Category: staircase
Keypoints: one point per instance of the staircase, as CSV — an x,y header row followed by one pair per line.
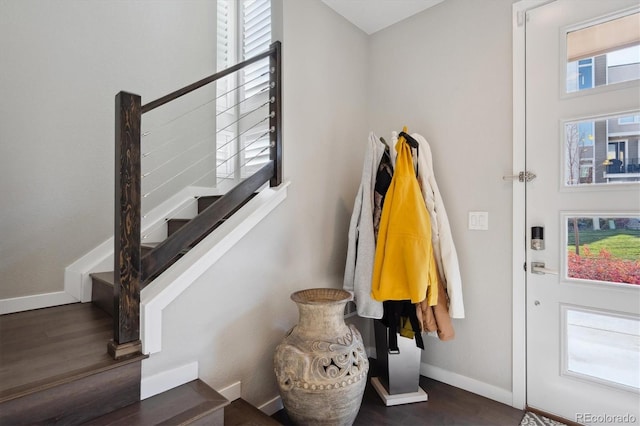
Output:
x,y
55,370
55,365
103,282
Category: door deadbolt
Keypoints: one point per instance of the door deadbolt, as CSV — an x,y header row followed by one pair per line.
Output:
x,y
537,238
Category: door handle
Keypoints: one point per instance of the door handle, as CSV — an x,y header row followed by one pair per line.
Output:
x,y
539,268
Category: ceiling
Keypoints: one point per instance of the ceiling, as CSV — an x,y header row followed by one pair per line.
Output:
x,y
373,15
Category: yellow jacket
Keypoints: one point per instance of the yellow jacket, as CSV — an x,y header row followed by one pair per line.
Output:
x,y
404,266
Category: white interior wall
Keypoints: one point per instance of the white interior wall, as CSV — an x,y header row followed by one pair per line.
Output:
x,y
62,64
233,317
446,74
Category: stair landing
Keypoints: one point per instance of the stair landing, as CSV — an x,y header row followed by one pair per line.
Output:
x,y
55,369
241,413
46,346
193,403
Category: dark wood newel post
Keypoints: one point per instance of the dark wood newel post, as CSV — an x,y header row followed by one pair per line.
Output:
x,y
275,109
126,298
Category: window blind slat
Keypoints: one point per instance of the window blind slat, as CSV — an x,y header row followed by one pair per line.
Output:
x,y
256,37
259,33
251,9
237,44
257,20
258,46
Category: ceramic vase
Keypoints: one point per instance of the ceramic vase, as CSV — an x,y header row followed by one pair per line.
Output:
x,y
321,365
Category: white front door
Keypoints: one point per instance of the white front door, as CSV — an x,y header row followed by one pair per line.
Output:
x,y
583,278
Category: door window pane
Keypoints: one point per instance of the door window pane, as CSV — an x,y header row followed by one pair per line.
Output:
x,y
602,346
603,53
602,151
603,248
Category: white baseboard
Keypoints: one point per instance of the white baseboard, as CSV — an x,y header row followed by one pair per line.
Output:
x,y
162,382
371,352
467,383
36,301
463,382
272,406
232,392
77,276
77,279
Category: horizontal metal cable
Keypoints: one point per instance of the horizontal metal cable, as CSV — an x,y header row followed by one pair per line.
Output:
x,y
209,155
252,158
243,116
199,178
198,143
161,223
177,174
243,84
242,101
173,140
240,134
273,49
233,156
148,132
245,148
169,142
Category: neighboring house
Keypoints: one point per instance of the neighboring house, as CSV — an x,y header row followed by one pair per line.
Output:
x,y
606,149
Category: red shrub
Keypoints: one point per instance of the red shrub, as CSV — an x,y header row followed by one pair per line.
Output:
x,y
603,267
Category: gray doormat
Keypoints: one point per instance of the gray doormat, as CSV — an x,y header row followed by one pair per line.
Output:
x,y
533,419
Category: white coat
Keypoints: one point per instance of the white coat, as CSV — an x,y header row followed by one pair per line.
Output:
x,y
443,247
361,247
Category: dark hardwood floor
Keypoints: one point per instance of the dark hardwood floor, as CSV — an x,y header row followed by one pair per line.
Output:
x,y
447,405
55,369
43,346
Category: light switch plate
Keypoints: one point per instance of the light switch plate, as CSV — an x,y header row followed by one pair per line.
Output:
x,y
479,221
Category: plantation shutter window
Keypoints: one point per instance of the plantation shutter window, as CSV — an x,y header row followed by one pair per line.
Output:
x,y
256,28
244,30
256,38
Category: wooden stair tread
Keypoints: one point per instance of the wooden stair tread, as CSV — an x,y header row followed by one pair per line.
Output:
x,y
173,226
103,282
48,347
241,413
206,201
104,277
189,403
145,248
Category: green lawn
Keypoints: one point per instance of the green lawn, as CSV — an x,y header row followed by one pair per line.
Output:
x,y
621,243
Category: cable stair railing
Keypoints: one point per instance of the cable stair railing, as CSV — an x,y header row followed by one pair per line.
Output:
x,y
247,134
